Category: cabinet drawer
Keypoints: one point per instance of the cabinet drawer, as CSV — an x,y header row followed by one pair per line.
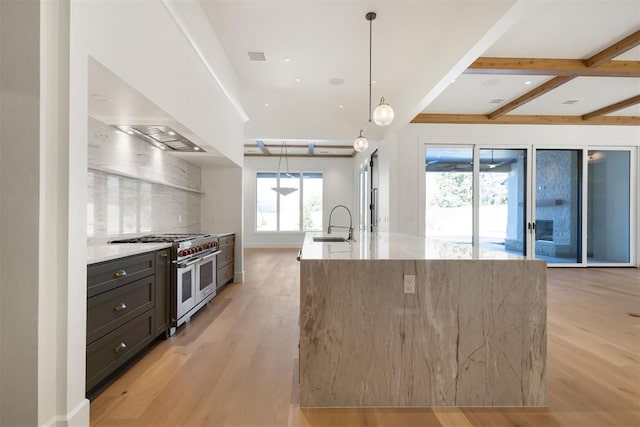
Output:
x,y
108,275
225,257
226,240
118,346
225,274
111,309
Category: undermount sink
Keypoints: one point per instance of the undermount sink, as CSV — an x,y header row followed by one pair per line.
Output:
x,y
329,239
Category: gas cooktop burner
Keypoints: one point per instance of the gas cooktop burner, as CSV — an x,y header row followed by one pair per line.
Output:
x,y
162,238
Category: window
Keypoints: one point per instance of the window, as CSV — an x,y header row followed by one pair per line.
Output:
x,y
300,210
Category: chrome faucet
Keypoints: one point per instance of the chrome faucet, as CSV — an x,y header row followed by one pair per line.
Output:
x,y
350,227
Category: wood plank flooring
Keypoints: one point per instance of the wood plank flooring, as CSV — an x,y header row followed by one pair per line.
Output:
x,y
235,364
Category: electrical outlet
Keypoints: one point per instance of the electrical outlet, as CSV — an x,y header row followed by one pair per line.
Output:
x,y
409,284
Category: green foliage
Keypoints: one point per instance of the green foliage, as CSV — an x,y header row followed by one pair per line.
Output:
x,y
310,206
455,189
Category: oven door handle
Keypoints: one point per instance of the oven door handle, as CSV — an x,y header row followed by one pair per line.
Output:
x,y
187,264
210,255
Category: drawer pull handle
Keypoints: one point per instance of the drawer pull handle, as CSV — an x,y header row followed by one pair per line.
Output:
x,y
118,308
164,254
119,273
120,347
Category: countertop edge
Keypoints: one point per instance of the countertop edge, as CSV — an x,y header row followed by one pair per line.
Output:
x,y
110,251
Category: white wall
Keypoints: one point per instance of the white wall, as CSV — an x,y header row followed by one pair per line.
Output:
x,y
110,32
222,208
338,190
141,43
19,199
404,156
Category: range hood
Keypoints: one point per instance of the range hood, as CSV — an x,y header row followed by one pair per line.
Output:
x,y
160,136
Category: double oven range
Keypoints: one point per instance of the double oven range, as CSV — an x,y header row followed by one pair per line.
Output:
x,y
193,272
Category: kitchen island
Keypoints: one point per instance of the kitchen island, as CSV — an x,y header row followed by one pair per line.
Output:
x,y
396,320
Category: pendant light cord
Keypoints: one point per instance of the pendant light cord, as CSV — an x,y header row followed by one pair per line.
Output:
x,y
370,52
280,159
283,149
286,157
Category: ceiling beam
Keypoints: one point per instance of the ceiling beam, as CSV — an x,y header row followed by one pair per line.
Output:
x,y
316,146
616,49
263,148
593,62
552,67
525,119
530,96
304,155
613,107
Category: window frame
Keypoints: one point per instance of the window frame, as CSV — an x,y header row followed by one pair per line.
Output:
x,y
301,229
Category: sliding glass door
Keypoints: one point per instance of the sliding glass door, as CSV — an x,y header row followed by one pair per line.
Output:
x,y
449,194
570,207
609,206
503,200
558,206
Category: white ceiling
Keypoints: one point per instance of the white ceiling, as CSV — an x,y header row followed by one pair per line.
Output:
x,y
562,29
415,43
419,47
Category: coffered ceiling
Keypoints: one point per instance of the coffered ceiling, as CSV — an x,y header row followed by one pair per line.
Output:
x,y
570,63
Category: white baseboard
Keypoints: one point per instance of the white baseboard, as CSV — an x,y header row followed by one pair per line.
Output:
x,y
77,417
238,277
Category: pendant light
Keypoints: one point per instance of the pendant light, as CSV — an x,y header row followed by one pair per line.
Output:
x,y
284,191
360,144
383,114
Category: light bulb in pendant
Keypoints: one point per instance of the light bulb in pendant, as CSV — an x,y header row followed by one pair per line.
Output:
x,y
360,144
383,114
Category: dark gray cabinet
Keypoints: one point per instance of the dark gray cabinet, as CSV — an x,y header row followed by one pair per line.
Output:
x,y
225,259
127,308
161,309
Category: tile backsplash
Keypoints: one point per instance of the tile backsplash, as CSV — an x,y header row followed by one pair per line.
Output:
x,y
134,188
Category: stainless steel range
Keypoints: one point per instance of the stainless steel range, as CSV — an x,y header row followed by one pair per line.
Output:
x,y
193,272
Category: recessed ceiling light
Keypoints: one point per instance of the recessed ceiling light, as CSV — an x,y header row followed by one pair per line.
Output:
x,y
570,101
286,59
496,101
527,82
340,106
373,82
453,81
298,80
336,81
266,105
171,132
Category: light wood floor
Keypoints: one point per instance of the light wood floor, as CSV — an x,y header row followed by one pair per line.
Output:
x,y
236,363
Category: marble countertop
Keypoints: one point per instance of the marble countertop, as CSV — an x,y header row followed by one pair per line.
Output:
x,y
382,245
99,252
